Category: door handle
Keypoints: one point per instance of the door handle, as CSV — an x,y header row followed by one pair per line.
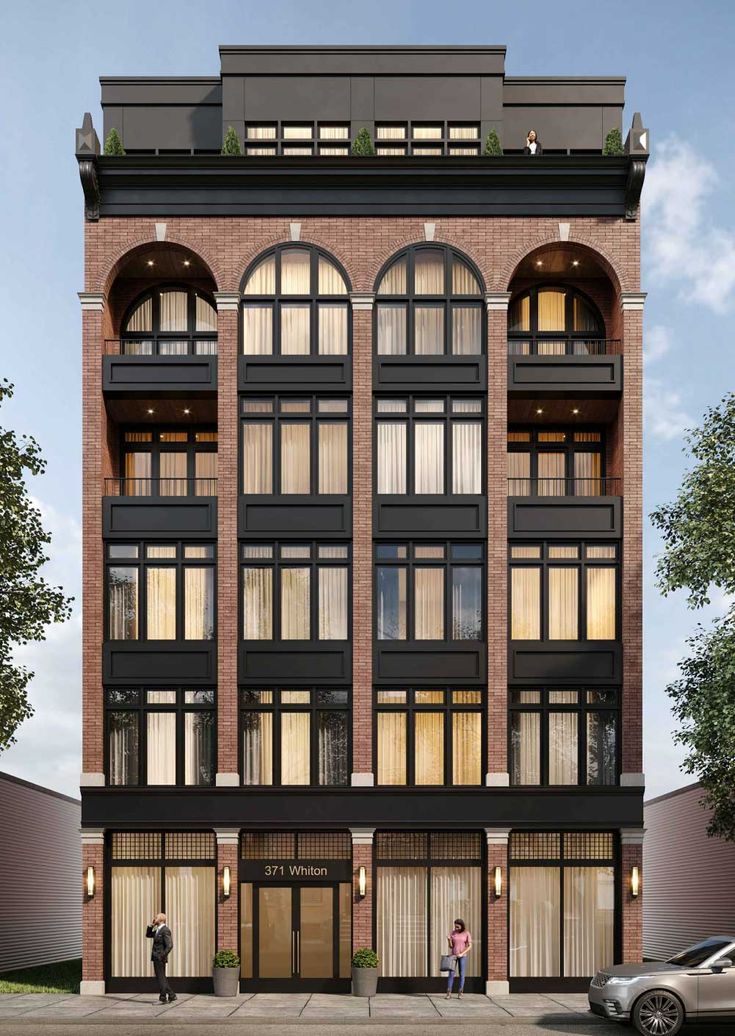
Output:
x,y
293,952
298,952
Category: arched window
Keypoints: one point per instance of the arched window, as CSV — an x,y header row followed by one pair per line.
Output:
x,y
429,303
295,304
554,321
171,321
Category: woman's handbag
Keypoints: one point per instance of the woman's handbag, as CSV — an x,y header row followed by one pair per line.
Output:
x,y
448,962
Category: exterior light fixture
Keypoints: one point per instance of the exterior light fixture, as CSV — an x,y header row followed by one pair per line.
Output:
x,y
635,882
498,882
90,882
361,882
226,882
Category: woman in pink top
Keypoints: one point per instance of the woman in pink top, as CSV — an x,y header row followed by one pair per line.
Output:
x,y
460,944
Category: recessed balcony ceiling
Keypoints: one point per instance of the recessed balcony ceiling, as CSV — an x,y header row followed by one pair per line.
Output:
x,y
164,262
559,261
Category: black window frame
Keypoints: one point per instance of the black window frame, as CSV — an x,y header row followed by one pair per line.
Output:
x,y
573,340
155,447
155,336
569,448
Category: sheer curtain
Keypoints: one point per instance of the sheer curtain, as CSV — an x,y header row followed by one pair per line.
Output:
x,y
428,330
137,474
464,281
257,765
161,603
466,457
466,748
123,747
392,746
401,916
122,590
525,620
392,329
563,603
295,603
257,458
257,323
391,457
295,457
332,457
262,281
551,310
519,474
173,465
295,321
198,603
258,603
332,329
534,922
455,892
428,272
332,603
190,906
295,271
141,319
563,747
428,736
428,457
206,315
551,474
205,474
135,899
589,911
600,603
466,330
161,740
391,604
587,470
525,748
199,747
173,315
429,603
295,743
331,281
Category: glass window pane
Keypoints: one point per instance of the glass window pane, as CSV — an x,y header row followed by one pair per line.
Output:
x,y
466,330
464,281
295,550
206,315
332,747
332,603
332,329
601,602
583,319
534,922
587,472
391,329
257,458
173,310
519,314
428,406
466,457
190,898
563,603
423,550
429,748
257,603
519,473
428,272
160,550
429,603
295,457
262,281
391,456
295,743
257,326
295,271
122,739
331,281
122,598
295,330
525,603
332,406
257,748
135,892
466,603
429,330
391,603
198,603
551,316
563,747
525,748
601,748
161,603
428,457
394,279
551,474
199,741
141,319
589,911
332,457
456,892
161,747
401,921
295,604
392,728
466,748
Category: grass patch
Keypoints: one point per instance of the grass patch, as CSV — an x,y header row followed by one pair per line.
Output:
x,y
62,977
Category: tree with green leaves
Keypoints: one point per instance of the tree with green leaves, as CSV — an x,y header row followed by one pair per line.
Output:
x,y
231,143
362,145
698,531
113,144
28,604
613,143
492,144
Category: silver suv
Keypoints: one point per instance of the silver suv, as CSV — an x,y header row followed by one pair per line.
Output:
x,y
659,998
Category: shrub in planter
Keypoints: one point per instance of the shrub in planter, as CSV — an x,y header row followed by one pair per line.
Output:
x,y
231,143
226,973
365,972
613,143
113,144
492,144
362,145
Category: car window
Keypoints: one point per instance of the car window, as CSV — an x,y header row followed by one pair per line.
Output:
x,y
697,954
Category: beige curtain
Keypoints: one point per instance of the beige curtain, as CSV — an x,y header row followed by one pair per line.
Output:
x,y
392,329
466,457
466,330
429,748
526,748
534,922
401,917
589,913
198,747
262,281
190,907
295,321
600,603
135,899
257,765
205,474
582,316
332,457
428,330
172,465
141,319
429,603
466,748
551,310
332,603
173,316
295,271
161,603
295,597
563,603
464,281
519,474
257,456
549,348
257,603
137,474
428,457
295,767
587,469
331,281
455,892
161,747
198,603
206,315
525,620
257,325
519,315
332,329
391,748
551,472
563,732
295,457
429,273
391,457
394,279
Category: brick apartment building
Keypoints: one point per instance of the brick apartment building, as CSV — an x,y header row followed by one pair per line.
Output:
x,y
362,522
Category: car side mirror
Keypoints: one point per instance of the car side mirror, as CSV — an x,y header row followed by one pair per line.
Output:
x,y
721,964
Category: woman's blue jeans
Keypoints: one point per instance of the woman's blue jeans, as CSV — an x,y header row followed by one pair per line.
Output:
x,y
461,966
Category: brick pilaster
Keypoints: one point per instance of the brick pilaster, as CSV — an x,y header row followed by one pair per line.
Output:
x,y
228,935
631,855
497,912
93,920
362,906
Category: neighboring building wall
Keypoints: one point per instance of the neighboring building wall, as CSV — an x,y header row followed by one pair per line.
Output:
x,y
688,877
40,875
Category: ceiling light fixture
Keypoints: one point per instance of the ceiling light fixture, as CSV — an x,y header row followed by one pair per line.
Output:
x,y
575,410
149,411
539,411
150,262
539,262
187,262
575,262
188,411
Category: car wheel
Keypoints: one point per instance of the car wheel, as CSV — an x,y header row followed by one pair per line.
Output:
x,y
658,1013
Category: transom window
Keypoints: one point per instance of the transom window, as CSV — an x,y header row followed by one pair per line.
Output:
x,y
295,591
160,736
429,591
295,445
296,304
564,736
295,736
160,591
556,462
171,321
429,736
554,321
169,462
429,303
431,446
563,591
427,138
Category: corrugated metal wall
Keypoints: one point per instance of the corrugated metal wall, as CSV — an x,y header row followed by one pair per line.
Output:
x,y
40,875
688,878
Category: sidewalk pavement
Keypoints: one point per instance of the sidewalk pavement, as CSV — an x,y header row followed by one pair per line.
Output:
x,y
317,1008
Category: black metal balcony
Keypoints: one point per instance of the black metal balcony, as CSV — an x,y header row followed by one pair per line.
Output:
x,y
166,508
179,365
565,366
558,508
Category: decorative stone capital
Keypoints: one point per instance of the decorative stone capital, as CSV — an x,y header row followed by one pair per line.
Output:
x,y
92,836
360,300
497,780
362,780
497,300
632,835
91,780
632,300
93,301
227,780
497,835
632,780
227,835
227,301
362,835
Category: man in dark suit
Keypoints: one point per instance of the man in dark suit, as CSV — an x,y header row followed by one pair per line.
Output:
x,y
162,945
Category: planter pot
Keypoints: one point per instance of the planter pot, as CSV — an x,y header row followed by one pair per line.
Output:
x,y
364,981
226,981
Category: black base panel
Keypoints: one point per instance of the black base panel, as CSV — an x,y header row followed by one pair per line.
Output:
x,y
550,985
149,985
295,985
428,985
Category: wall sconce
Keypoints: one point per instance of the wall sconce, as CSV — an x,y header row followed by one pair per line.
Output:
x,y
635,882
90,882
498,882
226,882
361,882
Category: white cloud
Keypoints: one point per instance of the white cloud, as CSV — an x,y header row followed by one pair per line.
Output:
x,y
665,416
682,243
656,343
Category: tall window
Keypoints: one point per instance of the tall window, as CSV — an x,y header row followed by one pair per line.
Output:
x,y
169,462
160,591
429,591
563,591
429,303
295,736
564,736
295,445
429,736
556,462
171,321
431,446
295,591
554,321
296,304
562,903
160,736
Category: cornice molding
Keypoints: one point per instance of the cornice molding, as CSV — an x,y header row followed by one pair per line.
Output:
x,y
92,301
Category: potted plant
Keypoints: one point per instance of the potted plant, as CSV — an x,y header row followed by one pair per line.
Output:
x,y
365,973
226,973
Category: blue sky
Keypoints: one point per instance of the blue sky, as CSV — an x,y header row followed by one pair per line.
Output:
x,y
677,57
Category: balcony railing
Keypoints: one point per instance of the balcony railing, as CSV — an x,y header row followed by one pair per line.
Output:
x,y
563,346
564,486
176,345
158,487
